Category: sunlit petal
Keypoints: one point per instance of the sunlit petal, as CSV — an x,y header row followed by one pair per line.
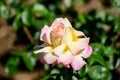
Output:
x,y
45,34
86,52
50,58
59,50
78,45
78,63
78,33
67,38
67,23
66,58
61,20
45,50
67,66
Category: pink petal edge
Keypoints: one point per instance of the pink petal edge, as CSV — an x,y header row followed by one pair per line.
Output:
x,y
59,50
45,34
89,52
43,31
78,63
50,58
56,22
64,21
41,59
65,58
78,45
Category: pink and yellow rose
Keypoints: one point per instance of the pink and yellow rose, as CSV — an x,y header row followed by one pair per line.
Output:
x,y
63,45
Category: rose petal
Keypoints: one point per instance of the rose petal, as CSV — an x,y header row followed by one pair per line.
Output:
x,y
67,22
54,64
87,52
48,39
58,31
59,50
45,34
43,31
46,49
55,40
78,33
78,63
65,58
67,38
41,59
56,22
42,45
64,21
50,58
78,45
67,66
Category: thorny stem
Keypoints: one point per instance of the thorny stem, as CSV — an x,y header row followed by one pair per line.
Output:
x,y
8,6
28,34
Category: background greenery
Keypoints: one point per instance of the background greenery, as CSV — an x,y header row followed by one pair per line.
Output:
x,y
98,19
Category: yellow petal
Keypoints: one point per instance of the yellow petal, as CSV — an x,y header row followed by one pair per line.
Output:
x,y
66,58
78,45
45,50
59,50
77,63
78,33
67,38
50,58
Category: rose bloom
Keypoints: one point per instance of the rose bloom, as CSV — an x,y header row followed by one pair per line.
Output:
x,y
63,45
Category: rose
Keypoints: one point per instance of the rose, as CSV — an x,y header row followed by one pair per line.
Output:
x,y
63,45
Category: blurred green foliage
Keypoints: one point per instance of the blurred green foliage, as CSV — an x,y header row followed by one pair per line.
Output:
x,y
102,27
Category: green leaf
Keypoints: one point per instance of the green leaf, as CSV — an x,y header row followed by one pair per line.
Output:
x,y
26,17
17,23
14,3
84,78
54,71
74,78
89,17
97,55
91,60
28,59
98,58
68,3
82,19
116,4
78,25
79,1
101,15
39,9
110,50
46,77
47,67
117,26
98,72
37,35
4,12
100,25
110,18
117,63
38,24
98,48
82,71
11,65
110,63
103,39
